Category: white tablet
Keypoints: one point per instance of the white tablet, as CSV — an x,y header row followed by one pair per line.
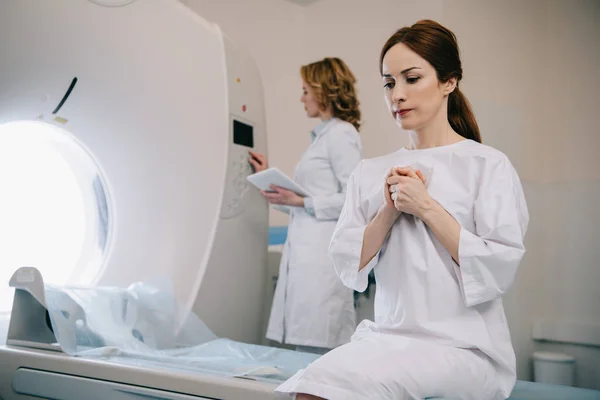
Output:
x,y
273,176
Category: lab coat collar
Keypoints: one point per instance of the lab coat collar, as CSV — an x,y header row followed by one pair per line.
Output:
x,y
320,129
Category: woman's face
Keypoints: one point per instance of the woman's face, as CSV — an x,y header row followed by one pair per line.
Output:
x,y
311,105
412,91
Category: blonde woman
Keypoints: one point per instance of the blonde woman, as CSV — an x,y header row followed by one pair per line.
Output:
x,y
312,309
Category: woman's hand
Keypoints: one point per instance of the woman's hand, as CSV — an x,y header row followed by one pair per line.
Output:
x,y
388,206
284,197
258,161
408,192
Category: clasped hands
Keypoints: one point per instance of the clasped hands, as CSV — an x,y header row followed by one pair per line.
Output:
x,y
405,191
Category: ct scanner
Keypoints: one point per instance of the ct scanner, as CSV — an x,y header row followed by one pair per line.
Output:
x,y
164,107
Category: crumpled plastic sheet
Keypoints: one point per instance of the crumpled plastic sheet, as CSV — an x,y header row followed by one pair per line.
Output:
x,y
142,326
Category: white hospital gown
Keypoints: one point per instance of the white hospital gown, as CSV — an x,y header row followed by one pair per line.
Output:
x,y
439,329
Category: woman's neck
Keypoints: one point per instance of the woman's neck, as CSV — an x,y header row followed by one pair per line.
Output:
x,y
437,133
325,115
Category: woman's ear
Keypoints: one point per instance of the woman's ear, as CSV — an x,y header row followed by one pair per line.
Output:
x,y
450,86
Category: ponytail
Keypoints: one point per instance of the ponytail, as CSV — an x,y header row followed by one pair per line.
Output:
x,y
461,116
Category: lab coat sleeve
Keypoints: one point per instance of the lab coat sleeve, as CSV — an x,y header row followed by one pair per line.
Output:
x,y
490,256
346,243
344,149
283,209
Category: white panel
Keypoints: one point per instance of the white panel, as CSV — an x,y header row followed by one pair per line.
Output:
x,y
234,283
63,368
567,332
67,387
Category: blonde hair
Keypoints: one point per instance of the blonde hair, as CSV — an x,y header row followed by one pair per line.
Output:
x,y
333,85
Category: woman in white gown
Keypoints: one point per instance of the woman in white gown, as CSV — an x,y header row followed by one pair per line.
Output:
x,y
445,240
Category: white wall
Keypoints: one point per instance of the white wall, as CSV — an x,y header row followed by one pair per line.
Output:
x,y
531,72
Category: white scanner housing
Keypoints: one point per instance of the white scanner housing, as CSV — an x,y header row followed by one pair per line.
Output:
x,y
166,107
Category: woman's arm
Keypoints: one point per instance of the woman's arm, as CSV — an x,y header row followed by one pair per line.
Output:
x,y
375,234
445,228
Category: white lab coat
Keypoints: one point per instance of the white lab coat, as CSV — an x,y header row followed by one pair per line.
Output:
x,y
311,306
440,328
